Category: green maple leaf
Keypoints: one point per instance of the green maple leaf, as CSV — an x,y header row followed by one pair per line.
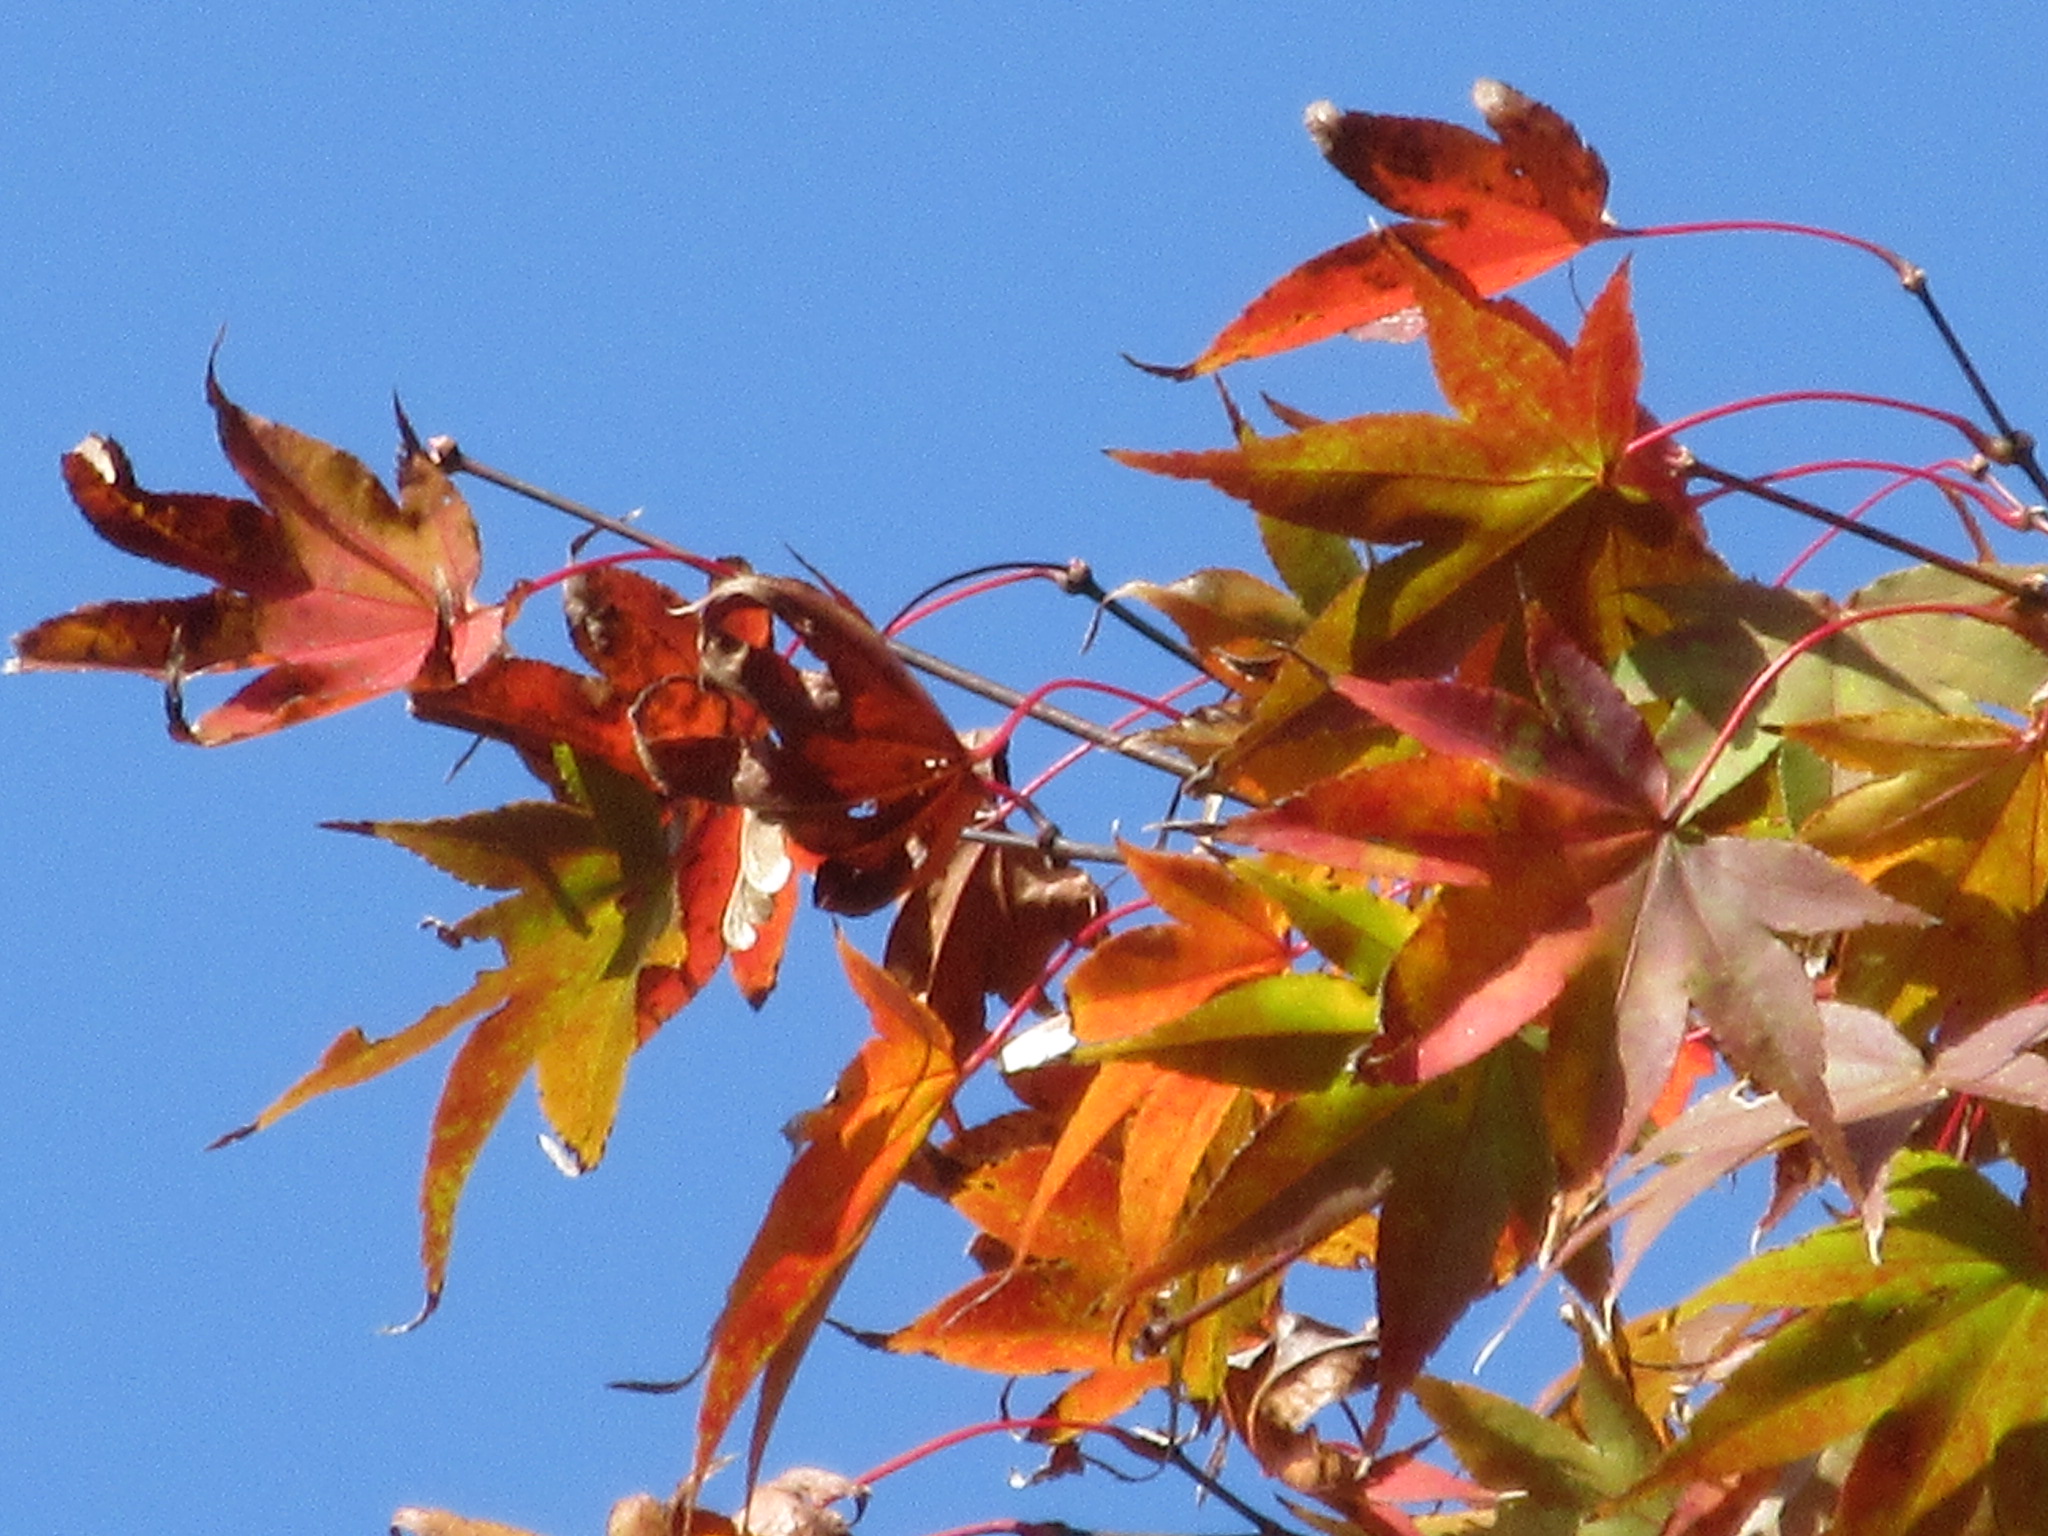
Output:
x,y
589,926
1932,1351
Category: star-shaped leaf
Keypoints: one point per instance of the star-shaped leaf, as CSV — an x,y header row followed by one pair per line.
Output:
x,y
1549,826
340,591
589,928
1528,490
1498,212
1924,1354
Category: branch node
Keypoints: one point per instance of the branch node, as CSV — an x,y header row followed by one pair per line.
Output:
x,y
2009,447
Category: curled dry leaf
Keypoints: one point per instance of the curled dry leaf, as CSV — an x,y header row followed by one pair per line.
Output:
x,y
1276,1389
735,881
987,927
799,1503
858,765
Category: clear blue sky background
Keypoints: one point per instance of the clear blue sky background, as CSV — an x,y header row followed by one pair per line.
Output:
x,y
854,279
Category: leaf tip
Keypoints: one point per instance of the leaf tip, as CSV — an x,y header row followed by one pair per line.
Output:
x,y
409,444
1321,118
102,456
428,1308
1496,99
1179,373
239,1133
569,1163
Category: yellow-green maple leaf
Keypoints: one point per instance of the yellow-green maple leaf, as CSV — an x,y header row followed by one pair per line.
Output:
x,y
1929,1354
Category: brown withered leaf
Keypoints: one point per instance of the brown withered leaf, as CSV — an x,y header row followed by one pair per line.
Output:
x,y
858,765
736,883
986,927
799,1503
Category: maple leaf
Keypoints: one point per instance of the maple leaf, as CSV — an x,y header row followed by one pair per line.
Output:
x,y
1139,990
1529,491
1051,1296
1223,931
735,883
1276,1389
1882,1088
1457,1168
1552,1473
987,926
340,591
1916,1353
1953,817
854,1153
1498,212
1565,883
1044,1310
858,765
592,916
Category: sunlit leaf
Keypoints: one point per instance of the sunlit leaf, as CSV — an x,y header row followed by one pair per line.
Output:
x,y
854,1153
591,915
1528,490
1919,1347
1499,212
340,591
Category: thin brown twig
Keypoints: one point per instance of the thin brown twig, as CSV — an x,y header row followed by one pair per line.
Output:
x,y
450,456
2020,591
2014,446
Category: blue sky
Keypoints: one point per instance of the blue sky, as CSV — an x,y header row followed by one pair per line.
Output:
x,y
780,275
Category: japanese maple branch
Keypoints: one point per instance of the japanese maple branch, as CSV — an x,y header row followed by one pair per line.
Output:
x,y
2020,591
2012,446
1058,847
449,455
1145,1447
1076,578
1045,714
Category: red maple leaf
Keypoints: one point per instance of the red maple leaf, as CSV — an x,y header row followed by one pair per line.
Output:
x,y
340,591
1499,212
1567,867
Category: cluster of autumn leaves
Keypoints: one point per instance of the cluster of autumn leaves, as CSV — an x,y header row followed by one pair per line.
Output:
x,y
1526,818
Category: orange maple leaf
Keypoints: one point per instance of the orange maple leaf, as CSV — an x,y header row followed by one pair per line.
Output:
x,y
855,1151
1529,489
